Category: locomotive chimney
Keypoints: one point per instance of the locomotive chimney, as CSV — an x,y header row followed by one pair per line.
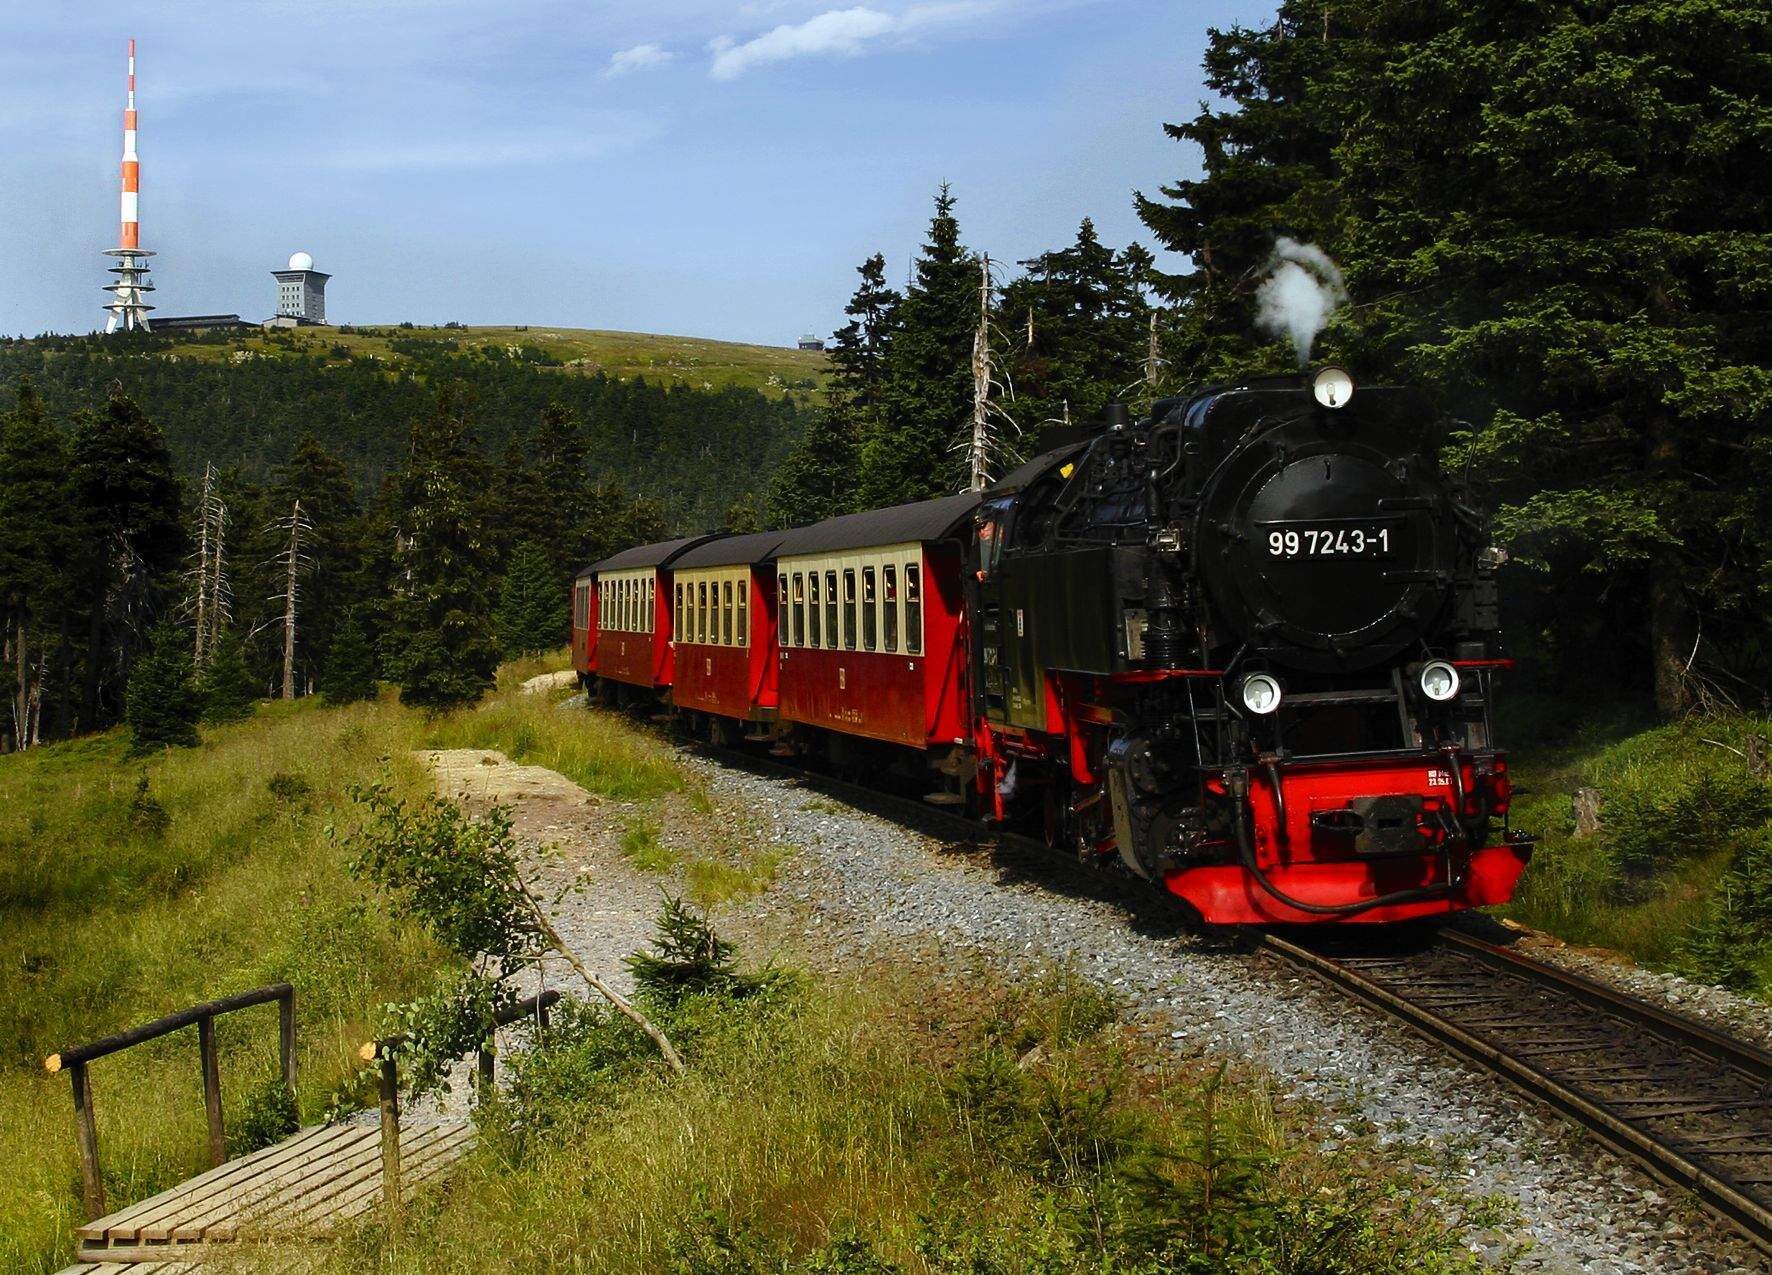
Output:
x,y
1116,416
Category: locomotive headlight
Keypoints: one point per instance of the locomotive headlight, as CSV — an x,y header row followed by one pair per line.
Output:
x,y
1439,681
1261,694
1332,387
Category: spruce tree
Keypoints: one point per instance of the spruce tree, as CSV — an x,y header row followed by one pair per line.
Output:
x,y
439,644
36,547
1086,310
126,504
331,584
1562,215
349,675
818,478
908,453
226,686
533,605
162,704
1266,146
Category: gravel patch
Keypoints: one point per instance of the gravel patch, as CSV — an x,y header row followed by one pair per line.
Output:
x,y
857,881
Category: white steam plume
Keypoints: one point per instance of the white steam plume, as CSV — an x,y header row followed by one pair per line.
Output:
x,y
1302,289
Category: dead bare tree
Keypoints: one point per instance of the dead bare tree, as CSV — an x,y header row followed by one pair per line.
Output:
x,y
292,562
985,446
211,596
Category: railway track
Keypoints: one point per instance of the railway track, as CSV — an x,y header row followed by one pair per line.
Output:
x,y
1691,1105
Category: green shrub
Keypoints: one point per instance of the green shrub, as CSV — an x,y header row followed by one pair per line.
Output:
x,y
1647,830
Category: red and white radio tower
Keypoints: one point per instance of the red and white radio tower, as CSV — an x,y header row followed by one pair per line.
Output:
x,y
129,309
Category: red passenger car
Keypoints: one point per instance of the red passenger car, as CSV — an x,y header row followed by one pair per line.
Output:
x,y
627,630
869,614
723,621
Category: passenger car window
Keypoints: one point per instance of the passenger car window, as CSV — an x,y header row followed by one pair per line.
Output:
x,y
677,614
726,613
781,611
830,610
744,604
870,612
812,609
889,605
913,608
849,608
799,609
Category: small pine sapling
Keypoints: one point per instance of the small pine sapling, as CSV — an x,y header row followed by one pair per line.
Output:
x,y
225,683
162,705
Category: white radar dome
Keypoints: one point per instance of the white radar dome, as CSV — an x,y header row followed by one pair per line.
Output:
x,y
301,261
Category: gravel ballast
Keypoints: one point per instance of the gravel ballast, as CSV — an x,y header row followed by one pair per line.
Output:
x,y
856,881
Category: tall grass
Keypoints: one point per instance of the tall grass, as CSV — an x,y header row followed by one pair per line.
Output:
x,y
882,1125
122,902
598,751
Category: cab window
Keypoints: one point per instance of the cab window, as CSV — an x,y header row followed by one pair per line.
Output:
x,y
913,608
889,604
849,608
830,610
812,609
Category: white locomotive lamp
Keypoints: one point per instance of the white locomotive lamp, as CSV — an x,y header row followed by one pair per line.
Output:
x,y
1332,387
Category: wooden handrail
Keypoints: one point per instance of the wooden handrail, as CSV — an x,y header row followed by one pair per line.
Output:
x,y
74,1060
388,1085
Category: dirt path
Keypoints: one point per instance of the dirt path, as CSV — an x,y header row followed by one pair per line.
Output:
x,y
568,835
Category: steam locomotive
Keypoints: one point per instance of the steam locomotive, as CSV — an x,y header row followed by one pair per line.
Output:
x,y
1245,648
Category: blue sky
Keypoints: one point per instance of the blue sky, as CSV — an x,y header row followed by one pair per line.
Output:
x,y
708,169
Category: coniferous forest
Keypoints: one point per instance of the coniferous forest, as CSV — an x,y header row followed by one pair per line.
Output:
x,y
1554,224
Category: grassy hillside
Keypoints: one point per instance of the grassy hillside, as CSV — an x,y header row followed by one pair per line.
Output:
x,y
694,362
119,903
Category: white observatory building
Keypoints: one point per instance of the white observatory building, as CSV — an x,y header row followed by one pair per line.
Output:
x,y
301,293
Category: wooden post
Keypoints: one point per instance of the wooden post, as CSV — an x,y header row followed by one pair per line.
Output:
x,y
390,1142
212,1103
286,1044
483,1076
86,1128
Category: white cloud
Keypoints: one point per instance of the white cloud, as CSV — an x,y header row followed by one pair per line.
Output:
x,y
838,31
639,58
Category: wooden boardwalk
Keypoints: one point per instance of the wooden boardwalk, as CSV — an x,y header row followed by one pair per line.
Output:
x,y
294,1193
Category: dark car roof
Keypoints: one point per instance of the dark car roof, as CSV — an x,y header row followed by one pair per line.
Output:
x,y
653,555
732,551
901,524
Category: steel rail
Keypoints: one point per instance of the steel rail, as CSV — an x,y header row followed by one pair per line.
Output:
x,y
1718,1192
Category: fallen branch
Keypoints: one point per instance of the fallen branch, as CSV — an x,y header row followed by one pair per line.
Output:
x,y
597,985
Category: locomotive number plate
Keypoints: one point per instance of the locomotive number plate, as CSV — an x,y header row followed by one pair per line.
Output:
x,y
1343,539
